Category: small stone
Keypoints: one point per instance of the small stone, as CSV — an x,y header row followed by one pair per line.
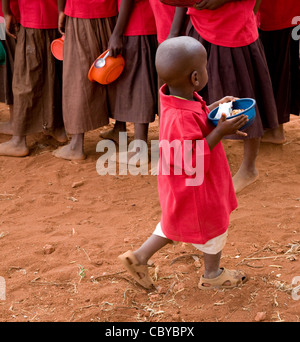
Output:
x,y
260,316
49,249
77,184
197,263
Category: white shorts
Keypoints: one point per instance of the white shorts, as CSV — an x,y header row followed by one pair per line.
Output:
x,y
213,246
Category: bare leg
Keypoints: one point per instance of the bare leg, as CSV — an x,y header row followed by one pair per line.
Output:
x,y
274,136
213,271
113,134
155,243
72,151
136,262
15,147
212,265
6,127
59,134
152,245
140,133
247,173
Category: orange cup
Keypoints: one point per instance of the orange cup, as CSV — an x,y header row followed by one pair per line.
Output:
x,y
109,72
57,48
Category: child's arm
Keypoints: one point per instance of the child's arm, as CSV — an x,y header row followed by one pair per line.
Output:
x,y
178,22
115,44
257,5
61,15
10,20
211,4
226,127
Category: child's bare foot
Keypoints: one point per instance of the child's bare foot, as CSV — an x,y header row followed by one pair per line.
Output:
x,y
59,134
15,147
130,158
69,153
113,134
72,151
244,178
274,136
5,128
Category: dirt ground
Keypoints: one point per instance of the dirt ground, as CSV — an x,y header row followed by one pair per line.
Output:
x,y
62,226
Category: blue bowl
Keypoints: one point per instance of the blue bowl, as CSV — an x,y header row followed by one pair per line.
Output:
x,y
248,106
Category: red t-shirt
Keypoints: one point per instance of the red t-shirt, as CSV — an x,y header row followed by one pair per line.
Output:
x,y
91,9
277,14
141,22
14,9
231,25
38,14
163,15
192,213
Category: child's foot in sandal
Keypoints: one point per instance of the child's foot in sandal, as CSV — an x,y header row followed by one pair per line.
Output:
x,y
138,271
228,279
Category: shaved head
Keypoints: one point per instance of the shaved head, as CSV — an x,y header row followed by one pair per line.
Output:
x,y
177,58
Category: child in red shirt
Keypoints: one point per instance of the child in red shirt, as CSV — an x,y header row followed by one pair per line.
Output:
x,y
133,97
192,213
276,24
6,73
237,66
36,77
87,26
163,15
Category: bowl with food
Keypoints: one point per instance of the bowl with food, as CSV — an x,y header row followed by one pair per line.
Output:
x,y
233,109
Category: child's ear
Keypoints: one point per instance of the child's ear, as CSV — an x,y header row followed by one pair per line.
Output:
x,y
195,78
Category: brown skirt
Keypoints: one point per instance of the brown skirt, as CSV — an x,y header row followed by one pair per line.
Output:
x,y
133,96
277,45
6,71
85,106
295,77
241,72
36,83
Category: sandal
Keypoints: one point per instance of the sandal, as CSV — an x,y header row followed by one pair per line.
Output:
x,y
235,278
132,265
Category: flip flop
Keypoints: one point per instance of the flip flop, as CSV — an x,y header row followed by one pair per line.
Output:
x,y
132,265
236,278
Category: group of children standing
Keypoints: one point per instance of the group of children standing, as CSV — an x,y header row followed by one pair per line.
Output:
x,y
59,100
70,101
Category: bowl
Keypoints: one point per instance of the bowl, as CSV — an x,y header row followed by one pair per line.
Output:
x,y
248,106
178,3
108,73
57,48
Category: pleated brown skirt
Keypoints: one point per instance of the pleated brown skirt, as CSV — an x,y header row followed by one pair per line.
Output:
x,y
241,72
85,103
133,96
283,63
36,83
